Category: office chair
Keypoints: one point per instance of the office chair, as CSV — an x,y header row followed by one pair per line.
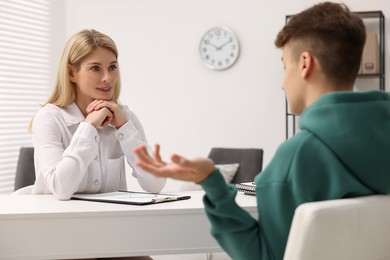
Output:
x,y
343,229
249,159
25,171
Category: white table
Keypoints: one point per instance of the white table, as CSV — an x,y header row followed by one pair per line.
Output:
x,y
42,227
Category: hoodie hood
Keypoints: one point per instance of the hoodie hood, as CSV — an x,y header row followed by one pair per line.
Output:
x,y
362,117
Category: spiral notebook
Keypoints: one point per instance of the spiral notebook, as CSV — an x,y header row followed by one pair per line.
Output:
x,y
130,197
248,188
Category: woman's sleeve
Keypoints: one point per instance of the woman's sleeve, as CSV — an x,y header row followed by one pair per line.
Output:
x,y
58,169
131,135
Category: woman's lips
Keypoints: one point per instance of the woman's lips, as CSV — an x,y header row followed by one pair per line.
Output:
x,y
105,89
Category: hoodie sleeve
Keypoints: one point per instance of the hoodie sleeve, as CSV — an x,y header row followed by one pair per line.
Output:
x,y
238,233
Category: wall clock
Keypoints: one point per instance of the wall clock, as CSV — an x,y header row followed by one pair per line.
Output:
x,y
219,48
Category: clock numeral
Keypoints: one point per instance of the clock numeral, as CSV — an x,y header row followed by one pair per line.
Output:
x,y
206,57
232,55
227,61
204,49
206,42
233,46
217,33
220,63
212,62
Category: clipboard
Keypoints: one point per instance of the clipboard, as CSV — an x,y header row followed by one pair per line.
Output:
x,y
130,197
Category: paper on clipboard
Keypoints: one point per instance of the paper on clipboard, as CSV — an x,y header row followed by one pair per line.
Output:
x,y
130,197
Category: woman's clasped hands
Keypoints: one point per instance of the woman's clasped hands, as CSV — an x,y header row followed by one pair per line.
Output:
x,y
104,112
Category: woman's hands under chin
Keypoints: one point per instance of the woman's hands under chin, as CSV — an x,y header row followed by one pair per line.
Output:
x,y
118,118
99,118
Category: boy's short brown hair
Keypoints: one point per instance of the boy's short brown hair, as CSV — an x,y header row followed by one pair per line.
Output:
x,y
332,34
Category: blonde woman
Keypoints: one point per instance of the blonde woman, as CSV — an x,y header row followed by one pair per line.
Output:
x,y
82,136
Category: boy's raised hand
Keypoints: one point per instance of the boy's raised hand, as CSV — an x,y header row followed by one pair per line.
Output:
x,y
195,170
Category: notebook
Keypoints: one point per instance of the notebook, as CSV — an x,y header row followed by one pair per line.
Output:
x,y
248,188
130,197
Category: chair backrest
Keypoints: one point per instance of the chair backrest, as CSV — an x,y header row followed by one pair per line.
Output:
x,y
250,160
25,171
345,229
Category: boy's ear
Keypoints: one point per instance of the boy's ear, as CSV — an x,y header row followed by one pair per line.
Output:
x,y
306,63
72,72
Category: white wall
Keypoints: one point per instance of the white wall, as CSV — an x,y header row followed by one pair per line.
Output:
x,y
183,105
57,32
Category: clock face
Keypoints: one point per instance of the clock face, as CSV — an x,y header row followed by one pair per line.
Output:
x,y
219,48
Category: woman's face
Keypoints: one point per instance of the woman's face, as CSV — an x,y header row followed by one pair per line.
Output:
x,y
96,78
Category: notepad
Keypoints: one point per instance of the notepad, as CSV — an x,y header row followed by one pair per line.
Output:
x,y
130,197
248,188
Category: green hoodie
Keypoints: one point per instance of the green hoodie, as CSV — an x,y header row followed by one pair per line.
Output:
x,y
342,151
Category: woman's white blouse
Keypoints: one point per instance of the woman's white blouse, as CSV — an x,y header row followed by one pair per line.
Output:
x,y
72,156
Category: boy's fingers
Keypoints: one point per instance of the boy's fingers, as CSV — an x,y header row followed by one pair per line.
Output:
x,y
157,155
181,160
142,154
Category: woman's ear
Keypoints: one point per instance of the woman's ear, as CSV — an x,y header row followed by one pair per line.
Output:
x,y
72,73
306,62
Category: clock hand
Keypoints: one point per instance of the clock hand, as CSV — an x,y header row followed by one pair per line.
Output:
x,y
220,47
214,45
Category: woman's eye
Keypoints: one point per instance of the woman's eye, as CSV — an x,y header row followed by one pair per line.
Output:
x,y
95,68
112,68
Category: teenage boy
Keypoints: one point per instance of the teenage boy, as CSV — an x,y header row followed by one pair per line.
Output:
x,y
341,151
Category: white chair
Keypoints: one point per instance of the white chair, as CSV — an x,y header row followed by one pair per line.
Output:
x,y
345,229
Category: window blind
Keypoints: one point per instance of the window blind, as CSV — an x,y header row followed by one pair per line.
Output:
x,y
24,77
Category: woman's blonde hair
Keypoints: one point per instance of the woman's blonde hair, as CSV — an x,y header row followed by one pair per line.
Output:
x,y
78,47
